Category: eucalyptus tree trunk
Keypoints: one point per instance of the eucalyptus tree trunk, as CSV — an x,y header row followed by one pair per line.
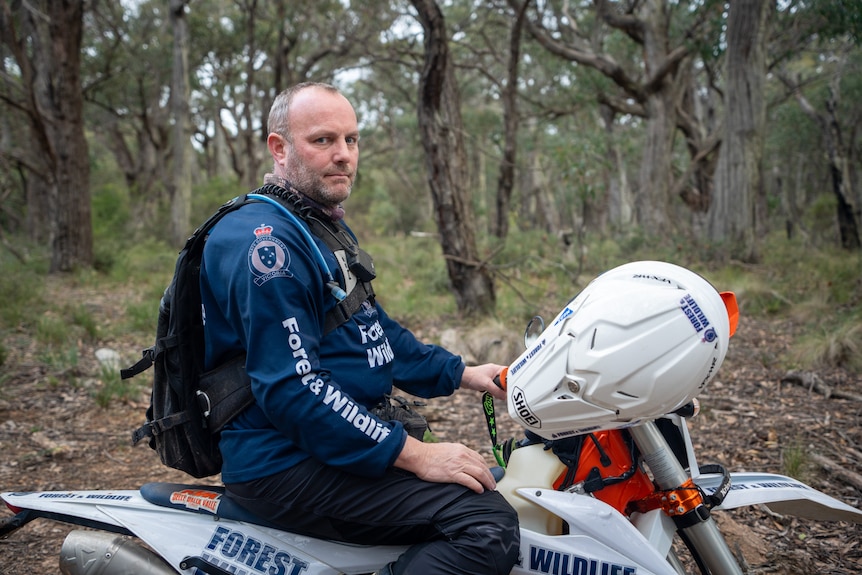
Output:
x,y
45,39
732,213
839,171
652,197
506,178
661,92
620,200
442,133
251,138
181,181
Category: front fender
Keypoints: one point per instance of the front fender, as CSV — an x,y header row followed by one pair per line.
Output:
x,y
781,494
596,531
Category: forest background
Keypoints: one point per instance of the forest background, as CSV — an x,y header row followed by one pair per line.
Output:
x,y
511,151
515,149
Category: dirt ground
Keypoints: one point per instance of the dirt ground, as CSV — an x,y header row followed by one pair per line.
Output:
x,y
53,436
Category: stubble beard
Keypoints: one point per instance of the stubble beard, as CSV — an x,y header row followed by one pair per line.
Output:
x,y
312,184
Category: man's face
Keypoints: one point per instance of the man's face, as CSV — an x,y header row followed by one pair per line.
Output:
x,y
321,162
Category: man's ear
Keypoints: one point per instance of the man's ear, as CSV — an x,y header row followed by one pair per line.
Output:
x,y
277,147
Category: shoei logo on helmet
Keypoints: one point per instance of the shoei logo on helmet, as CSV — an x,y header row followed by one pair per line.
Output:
x,y
523,410
694,314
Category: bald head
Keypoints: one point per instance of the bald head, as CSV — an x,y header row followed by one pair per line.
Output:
x,y
278,120
314,141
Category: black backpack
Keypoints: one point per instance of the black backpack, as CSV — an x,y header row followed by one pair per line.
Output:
x,y
188,408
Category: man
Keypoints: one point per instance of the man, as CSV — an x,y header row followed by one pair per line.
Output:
x,y
308,455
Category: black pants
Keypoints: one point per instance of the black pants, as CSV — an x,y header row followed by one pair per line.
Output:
x,y
450,528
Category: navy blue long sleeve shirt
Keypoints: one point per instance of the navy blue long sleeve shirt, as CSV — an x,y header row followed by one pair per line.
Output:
x,y
264,293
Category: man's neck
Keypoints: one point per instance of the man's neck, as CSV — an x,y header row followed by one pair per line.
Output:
x,y
334,213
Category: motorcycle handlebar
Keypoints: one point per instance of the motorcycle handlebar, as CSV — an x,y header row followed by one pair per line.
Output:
x,y
690,409
500,380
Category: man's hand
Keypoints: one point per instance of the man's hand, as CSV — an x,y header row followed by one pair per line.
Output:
x,y
453,462
446,463
481,378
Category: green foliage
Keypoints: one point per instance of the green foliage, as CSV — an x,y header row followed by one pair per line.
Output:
x,y
820,220
146,263
411,277
801,272
52,330
835,345
795,462
757,292
149,267
207,197
111,224
83,318
112,388
58,331
383,204
535,273
61,362
817,288
21,285
839,18
36,318
143,316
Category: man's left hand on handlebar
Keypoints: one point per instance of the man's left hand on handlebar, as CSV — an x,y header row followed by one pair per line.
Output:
x,y
481,378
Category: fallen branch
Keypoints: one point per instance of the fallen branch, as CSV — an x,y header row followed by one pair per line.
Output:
x,y
841,472
812,381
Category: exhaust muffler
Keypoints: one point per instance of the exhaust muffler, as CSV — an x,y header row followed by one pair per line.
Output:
x,y
101,553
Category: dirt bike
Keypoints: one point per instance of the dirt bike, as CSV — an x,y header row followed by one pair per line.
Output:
x,y
604,481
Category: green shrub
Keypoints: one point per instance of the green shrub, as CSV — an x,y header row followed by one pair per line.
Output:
x,y
111,388
795,462
52,330
22,286
60,359
412,282
84,319
142,316
838,346
145,263
819,218
207,197
111,216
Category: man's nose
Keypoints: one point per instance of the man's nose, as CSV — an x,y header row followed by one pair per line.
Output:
x,y
341,152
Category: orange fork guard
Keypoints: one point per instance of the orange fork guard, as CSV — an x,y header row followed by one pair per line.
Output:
x,y
685,498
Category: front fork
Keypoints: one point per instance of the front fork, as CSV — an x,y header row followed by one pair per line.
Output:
x,y
681,499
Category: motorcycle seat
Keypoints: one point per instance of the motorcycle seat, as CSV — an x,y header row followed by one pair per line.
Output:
x,y
211,499
204,499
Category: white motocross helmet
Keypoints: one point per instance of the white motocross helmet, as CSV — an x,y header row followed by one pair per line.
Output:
x,y
640,341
